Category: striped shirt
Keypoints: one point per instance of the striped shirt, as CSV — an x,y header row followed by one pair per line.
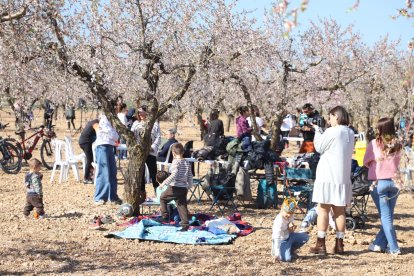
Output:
x,y
181,175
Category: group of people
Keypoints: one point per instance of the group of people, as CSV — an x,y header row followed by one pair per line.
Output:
x,y
102,134
332,189
50,113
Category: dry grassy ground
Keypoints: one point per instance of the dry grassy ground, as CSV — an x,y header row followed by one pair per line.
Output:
x,y
62,243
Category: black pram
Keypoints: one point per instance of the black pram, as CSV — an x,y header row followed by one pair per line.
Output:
x,y
356,215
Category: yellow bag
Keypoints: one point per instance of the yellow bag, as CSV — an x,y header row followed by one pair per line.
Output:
x,y
360,149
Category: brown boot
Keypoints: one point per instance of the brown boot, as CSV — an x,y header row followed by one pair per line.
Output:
x,y
320,247
339,246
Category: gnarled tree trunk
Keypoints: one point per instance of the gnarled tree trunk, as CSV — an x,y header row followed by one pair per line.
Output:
x,y
230,119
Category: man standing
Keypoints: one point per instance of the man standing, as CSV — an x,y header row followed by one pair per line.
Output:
x,y
308,111
162,154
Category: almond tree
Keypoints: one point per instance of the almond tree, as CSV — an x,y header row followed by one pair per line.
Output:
x,y
380,92
148,49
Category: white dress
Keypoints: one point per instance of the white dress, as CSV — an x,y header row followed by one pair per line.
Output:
x,y
333,174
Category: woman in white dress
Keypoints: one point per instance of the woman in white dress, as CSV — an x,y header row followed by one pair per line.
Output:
x,y
332,188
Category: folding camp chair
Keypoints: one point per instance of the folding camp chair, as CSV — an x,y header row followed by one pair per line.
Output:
x,y
222,192
298,183
196,191
223,198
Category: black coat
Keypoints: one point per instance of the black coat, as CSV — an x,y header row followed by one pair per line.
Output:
x,y
215,131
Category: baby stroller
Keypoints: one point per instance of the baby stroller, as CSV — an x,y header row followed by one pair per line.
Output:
x,y
356,214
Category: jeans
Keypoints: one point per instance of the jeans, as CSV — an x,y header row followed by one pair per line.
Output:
x,y
246,140
122,153
385,196
106,182
310,217
294,241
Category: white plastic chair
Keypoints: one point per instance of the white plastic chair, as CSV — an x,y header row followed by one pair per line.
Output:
x,y
161,165
73,159
59,145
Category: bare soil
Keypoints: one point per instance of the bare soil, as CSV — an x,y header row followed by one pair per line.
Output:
x,y
63,243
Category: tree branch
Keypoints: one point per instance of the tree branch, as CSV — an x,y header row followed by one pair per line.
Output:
x,y
179,94
11,16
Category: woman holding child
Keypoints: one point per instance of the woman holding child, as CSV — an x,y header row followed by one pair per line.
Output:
x,y
332,188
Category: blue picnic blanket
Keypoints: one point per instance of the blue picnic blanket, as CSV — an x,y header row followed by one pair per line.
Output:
x,y
151,230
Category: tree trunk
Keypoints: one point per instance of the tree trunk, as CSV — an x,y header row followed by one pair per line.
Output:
x,y
275,129
199,117
369,132
230,119
133,194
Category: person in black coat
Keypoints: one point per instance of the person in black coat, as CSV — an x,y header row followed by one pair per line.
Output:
x,y
87,137
162,154
215,129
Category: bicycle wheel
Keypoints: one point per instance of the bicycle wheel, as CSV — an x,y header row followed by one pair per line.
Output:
x,y
16,143
11,160
47,154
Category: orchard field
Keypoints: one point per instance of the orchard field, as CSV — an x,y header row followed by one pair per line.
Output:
x,y
184,60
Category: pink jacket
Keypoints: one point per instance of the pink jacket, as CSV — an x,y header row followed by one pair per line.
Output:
x,y
242,126
380,166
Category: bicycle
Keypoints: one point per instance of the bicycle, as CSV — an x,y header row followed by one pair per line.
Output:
x,y
10,160
26,146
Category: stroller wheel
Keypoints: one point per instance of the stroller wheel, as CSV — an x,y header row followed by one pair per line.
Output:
x,y
350,224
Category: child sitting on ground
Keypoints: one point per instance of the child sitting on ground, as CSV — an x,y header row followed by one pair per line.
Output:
x,y
284,238
178,183
33,183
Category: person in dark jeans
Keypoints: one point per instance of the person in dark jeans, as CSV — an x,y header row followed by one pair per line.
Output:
x,y
180,180
70,115
87,137
162,154
49,110
215,129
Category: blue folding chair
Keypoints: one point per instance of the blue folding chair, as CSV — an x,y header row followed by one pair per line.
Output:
x,y
223,195
298,183
223,198
197,191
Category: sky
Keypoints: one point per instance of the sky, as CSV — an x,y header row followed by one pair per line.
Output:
x,y
372,19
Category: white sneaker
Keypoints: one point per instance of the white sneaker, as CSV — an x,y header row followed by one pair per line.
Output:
x,y
100,202
396,253
374,248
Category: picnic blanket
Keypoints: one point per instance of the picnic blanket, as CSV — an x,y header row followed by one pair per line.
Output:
x,y
148,229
